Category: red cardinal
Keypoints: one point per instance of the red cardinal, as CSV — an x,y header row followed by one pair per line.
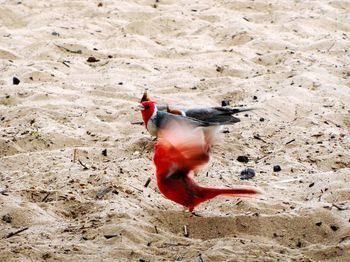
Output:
x,y
179,152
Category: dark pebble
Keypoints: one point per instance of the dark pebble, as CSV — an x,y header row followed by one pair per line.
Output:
x,y
243,159
262,119
225,102
255,97
312,184
226,131
276,168
15,80
334,227
104,152
7,218
92,59
318,224
247,174
120,83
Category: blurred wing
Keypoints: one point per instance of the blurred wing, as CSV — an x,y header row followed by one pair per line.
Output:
x,y
181,146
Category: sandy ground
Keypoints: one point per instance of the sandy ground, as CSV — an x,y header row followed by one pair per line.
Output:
x,y
289,59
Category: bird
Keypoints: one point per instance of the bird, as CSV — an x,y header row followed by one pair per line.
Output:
x,y
155,119
215,115
179,152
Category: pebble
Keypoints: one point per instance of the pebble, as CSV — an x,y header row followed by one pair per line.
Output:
x,y
247,174
225,102
15,80
276,168
243,159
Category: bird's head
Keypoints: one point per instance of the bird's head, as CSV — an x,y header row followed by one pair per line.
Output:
x,y
148,109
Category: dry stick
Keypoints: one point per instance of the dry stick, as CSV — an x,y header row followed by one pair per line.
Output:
x,y
340,208
70,51
185,231
45,198
147,182
65,63
290,141
85,167
74,155
16,232
156,229
137,123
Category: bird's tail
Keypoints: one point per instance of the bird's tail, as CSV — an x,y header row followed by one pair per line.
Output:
x,y
209,193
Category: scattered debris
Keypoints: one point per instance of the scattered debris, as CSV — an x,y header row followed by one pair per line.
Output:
x,y
290,141
16,232
7,218
137,123
186,234
104,152
277,168
46,196
15,80
111,236
334,227
74,155
92,59
101,193
225,102
147,182
4,191
247,174
243,159
70,51
83,165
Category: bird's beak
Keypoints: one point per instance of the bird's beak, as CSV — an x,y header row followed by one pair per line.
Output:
x,y
140,107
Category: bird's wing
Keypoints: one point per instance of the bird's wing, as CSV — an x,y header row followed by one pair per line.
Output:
x,y
180,147
220,115
163,119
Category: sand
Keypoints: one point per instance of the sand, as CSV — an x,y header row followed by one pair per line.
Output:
x,y
288,59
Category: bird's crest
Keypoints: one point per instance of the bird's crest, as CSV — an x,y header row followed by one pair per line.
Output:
x,y
145,97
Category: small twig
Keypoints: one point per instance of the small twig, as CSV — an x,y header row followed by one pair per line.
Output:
x,y
70,51
186,234
16,232
340,208
45,198
65,63
147,182
110,236
140,190
85,167
156,229
74,155
137,123
290,141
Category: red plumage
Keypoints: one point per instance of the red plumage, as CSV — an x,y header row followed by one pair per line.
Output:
x,y
180,150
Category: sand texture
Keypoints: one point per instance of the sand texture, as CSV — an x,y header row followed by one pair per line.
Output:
x,y
83,66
